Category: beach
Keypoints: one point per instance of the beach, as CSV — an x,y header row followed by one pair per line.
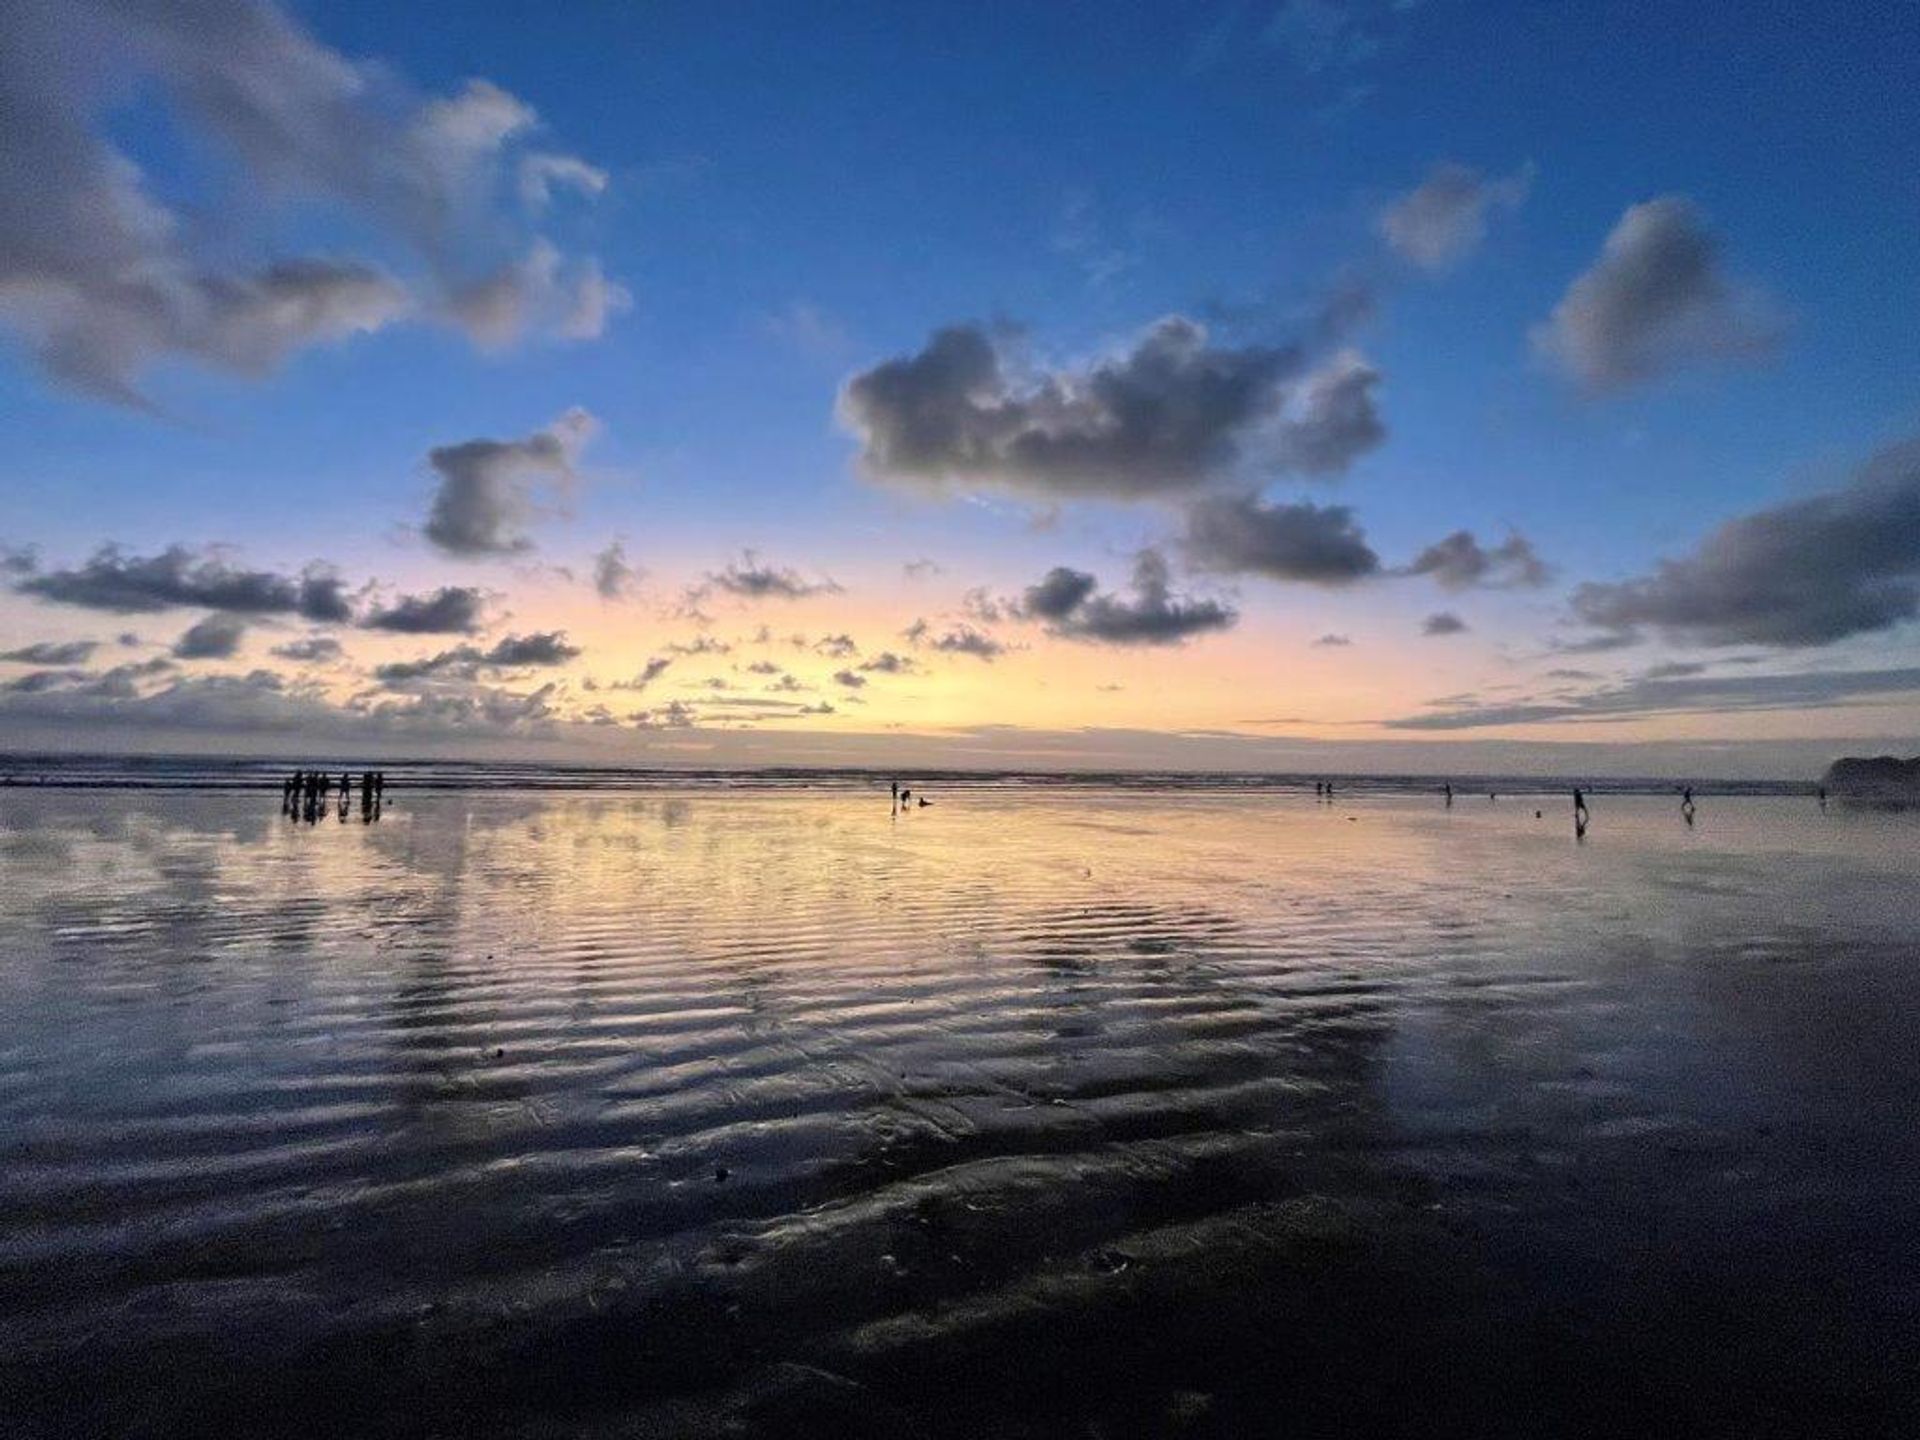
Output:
x,y
1092,1110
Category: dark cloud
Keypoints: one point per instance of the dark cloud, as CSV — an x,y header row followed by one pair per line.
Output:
x,y
101,277
1242,535
1444,219
955,640
311,649
217,637
1442,622
180,578
888,662
1460,562
920,569
1172,414
1331,641
752,579
700,645
467,662
1806,572
1058,593
1654,300
53,652
450,610
1653,695
544,647
849,678
485,496
650,672
613,576
1069,603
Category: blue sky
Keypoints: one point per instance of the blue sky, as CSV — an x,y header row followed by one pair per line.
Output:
x,y
795,196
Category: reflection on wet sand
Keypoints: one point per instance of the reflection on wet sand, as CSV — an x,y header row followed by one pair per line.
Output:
x,y
1043,1114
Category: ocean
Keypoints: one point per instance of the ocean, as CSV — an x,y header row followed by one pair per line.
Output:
x,y
627,1103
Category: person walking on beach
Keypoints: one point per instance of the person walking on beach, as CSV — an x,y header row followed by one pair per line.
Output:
x,y
896,797
1579,803
1448,787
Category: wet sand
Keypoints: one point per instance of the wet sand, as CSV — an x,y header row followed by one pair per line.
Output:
x,y
1091,1114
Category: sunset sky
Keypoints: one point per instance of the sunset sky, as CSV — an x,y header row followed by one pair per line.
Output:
x,y
1397,384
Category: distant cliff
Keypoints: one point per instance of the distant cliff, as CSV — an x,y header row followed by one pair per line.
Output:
x,y
1884,775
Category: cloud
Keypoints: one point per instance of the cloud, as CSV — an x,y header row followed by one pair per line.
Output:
x,y
613,577
52,652
1460,562
545,647
849,678
1319,35
836,647
888,662
1315,544
540,291
450,610
650,672
1331,641
1068,602
750,579
1653,694
215,638
1444,219
485,492
262,702
468,662
812,331
920,569
700,645
1171,414
1058,593
541,174
179,578
1803,573
1655,300
1442,622
102,278
955,640
312,649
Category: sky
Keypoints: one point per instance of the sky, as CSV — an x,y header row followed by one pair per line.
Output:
x,y
1400,385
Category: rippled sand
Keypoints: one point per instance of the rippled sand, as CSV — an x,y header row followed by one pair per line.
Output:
x,y
1091,1114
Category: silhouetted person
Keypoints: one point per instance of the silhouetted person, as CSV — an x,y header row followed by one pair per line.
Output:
x,y
380,786
1823,797
906,797
1448,787
1579,804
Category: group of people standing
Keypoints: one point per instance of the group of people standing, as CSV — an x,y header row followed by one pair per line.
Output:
x,y
304,794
